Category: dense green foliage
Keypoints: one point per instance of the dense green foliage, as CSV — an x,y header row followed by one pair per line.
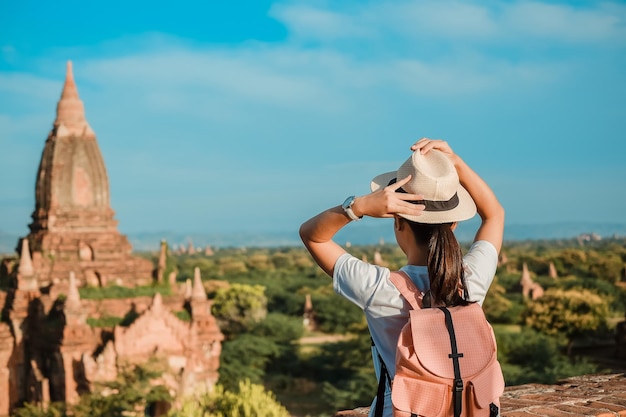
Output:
x,y
530,356
115,291
239,306
572,313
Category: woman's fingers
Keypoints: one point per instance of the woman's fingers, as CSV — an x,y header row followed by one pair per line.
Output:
x,y
420,144
424,145
404,195
398,184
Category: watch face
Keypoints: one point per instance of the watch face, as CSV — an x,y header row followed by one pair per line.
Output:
x,y
346,204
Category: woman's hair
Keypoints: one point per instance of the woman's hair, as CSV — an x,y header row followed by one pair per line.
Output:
x,y
445,264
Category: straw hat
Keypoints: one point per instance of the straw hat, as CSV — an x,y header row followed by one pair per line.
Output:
x,y
434,176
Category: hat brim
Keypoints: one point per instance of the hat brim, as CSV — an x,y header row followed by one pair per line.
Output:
x,y
465,210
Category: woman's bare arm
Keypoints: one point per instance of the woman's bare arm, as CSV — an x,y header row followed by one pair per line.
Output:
x,y
317,233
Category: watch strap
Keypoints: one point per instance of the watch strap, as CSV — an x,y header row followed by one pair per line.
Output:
x,y
347,208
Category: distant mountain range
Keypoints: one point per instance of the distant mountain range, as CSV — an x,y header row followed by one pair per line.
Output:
x,y
363,233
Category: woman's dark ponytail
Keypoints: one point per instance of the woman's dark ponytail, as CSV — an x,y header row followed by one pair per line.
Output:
x,y
445,264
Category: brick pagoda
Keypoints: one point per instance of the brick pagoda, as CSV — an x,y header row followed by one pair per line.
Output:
x,y
49,349
73,228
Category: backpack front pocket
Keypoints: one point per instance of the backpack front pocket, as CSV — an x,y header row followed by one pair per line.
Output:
x,y
413,396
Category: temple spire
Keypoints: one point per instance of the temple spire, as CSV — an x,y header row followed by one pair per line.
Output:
x,y
25,267
157,303
70,109
73,296
198,291
69,88
26,279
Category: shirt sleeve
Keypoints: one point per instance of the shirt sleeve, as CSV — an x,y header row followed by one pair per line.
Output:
x,y
481,262
357,280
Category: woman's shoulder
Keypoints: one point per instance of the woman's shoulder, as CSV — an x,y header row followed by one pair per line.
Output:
x,y
481,259
348,263
483,247
357,280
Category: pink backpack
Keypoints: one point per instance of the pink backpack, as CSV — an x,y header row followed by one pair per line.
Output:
x,y
446,362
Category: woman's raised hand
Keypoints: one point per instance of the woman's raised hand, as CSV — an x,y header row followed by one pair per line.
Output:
x,y
386,202
424,145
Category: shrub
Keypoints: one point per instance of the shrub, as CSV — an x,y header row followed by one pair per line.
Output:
x,y
250,400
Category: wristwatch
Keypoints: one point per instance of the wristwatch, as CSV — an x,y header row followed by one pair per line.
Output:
x,y
347,207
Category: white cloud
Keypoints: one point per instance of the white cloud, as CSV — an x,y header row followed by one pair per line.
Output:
x,y
167,75
567,23
445,19
508,23
306,21
22,84
225,84
272,77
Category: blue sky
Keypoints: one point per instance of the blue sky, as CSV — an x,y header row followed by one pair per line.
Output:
x,y
232,116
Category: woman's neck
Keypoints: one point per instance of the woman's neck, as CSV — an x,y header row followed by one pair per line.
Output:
x,y
417,256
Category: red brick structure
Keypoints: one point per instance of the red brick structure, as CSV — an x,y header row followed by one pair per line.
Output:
x,y
73,228
48,351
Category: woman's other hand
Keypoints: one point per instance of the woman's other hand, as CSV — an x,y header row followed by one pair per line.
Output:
x,y
424,145
489,208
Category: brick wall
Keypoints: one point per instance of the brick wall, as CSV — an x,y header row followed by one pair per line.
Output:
x,y
588,395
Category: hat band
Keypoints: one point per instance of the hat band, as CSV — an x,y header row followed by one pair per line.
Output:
x,y
432,205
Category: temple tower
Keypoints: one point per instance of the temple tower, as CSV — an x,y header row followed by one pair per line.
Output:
x,y
73,228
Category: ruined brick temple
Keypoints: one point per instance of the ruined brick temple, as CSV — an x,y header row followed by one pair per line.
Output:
x,y
73,227
48,352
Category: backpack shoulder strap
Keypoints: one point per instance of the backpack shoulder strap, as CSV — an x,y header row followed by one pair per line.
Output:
x,y
457,390
407,288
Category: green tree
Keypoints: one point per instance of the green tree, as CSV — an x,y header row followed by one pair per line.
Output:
x,y
496,305
259,262
282,261
335,314
570,313
530,356
284,331
239,306
250,400
245,357
232,265
605,266
350,379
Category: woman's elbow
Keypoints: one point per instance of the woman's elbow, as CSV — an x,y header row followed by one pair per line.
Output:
x,y
305,233
495,212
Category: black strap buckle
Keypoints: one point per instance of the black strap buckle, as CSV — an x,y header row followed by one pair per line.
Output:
x,y
458,385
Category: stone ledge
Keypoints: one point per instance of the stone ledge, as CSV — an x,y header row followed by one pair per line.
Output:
x,y
587,395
